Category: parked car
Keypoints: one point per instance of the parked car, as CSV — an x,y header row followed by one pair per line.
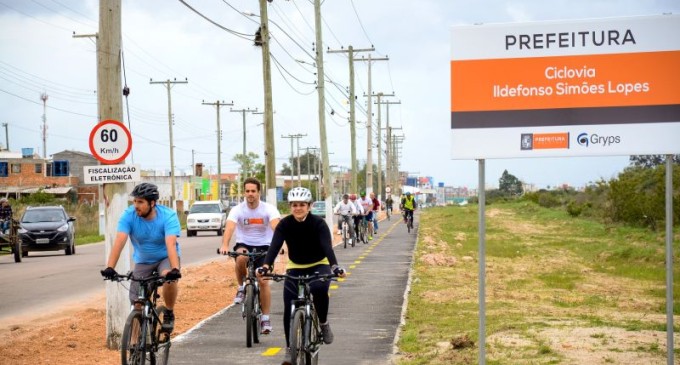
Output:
x,y
47,228
209,215
319,208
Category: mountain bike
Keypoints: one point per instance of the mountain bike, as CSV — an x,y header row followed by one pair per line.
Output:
x,y
409,220
251,310
345,232
305,330
388,212
143,336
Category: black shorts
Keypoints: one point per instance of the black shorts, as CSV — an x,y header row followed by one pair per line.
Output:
x,y
260,260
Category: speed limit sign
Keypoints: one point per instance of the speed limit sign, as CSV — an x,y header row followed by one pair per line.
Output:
x,y
110,142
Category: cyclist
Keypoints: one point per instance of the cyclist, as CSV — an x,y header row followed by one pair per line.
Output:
x,y
367,204
310,251
376,209
388,203
153,230
360,213
254,222
5,215
346,208
408,204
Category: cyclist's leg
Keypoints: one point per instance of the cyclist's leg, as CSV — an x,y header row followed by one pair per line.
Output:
x,y
169,289
357,222
265,288
241,263
319,290
139,271
350,227
369,224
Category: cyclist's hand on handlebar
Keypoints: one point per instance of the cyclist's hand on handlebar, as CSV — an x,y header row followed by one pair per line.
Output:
x,y
173,274
223,250
263,270
338,271
109,273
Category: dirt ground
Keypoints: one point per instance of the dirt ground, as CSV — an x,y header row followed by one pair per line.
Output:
x,y
77,336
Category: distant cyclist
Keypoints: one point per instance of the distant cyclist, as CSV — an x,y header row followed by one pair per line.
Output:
x,y
389,203
408,204
153,230
360,213
310,251
254,222
346,208
367,204
376,210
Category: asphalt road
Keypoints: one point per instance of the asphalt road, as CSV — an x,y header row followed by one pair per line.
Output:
x,y
44,281
365,311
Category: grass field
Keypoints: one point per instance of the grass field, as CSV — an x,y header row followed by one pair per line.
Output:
x,y
559,290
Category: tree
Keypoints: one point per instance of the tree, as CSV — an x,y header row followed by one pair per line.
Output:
x,y
509,184
247,163
649,161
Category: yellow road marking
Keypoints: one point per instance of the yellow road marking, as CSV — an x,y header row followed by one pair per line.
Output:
x,y
334,287
352,266
357,261
272,351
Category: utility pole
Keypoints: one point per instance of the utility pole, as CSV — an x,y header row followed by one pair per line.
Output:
x,y
397,147
352,111
168,85
321,89
269,152
115,199
6,137
380,95
380,150
296,136
44,98
242,111
369,131
217,105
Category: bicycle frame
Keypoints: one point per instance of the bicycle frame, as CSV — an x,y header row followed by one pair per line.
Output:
x,y
250,308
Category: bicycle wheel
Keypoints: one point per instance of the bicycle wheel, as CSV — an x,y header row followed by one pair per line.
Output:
x,y
132,348
312,330
161,347
257,325
250,315
344,235
297,338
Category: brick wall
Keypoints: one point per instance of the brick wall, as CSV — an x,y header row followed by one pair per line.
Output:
x,y
28,173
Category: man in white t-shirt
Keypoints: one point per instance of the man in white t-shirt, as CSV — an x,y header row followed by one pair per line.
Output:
x,y
254,222
346,208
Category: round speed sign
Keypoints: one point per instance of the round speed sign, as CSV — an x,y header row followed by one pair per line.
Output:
x,y
110,142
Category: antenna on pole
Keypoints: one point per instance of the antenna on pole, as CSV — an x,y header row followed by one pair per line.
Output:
x,y
44,98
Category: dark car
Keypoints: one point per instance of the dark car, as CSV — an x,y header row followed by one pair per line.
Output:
x,y
47,228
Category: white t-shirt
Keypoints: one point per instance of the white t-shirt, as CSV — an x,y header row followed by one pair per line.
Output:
x,y
345,209
366,203
357,205
252,225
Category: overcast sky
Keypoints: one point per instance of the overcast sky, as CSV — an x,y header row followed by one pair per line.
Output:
x,y
164,39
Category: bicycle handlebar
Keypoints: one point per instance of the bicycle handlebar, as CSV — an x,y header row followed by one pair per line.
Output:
x,y
154,278
304,278
248,254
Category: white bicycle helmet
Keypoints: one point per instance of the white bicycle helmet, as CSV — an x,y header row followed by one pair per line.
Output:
x,y
299,194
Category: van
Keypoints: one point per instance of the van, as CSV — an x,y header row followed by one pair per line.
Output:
x,y
208,215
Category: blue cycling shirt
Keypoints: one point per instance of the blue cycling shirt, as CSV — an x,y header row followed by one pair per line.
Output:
x,y
148,237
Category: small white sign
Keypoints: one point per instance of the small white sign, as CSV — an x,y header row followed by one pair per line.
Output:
x,y
110,142
103,174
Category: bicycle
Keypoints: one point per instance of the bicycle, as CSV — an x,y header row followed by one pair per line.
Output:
x,y
251,310
388,212
305,330
363,230
345,233
409,220
143,337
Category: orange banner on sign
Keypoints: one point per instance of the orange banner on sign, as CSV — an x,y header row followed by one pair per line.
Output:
x,y
603,80
550,140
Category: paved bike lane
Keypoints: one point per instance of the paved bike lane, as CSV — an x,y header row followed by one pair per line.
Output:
x,y
365,311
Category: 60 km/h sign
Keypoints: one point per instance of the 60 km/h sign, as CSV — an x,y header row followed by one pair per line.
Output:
x,y
110,142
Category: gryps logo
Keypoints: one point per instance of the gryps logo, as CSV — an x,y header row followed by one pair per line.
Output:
x,y
582,139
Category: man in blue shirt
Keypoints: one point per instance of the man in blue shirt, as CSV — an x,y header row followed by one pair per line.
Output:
x,y
153,230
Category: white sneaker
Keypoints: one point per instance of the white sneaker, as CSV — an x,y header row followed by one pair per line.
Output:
x,y
240,295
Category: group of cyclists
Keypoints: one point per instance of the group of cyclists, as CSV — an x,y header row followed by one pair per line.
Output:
x,y
256,226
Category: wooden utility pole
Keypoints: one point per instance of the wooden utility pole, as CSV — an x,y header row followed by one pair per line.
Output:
x,y
380,150
369,130
110,105
352,112
269,151
217,105
168,85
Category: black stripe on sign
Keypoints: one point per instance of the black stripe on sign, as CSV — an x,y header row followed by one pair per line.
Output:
x,y
565,116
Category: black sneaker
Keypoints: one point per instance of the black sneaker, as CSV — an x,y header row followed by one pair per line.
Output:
x,y
327,334
168,321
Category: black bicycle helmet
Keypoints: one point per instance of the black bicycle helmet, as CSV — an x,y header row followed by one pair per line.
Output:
x,y
146,191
